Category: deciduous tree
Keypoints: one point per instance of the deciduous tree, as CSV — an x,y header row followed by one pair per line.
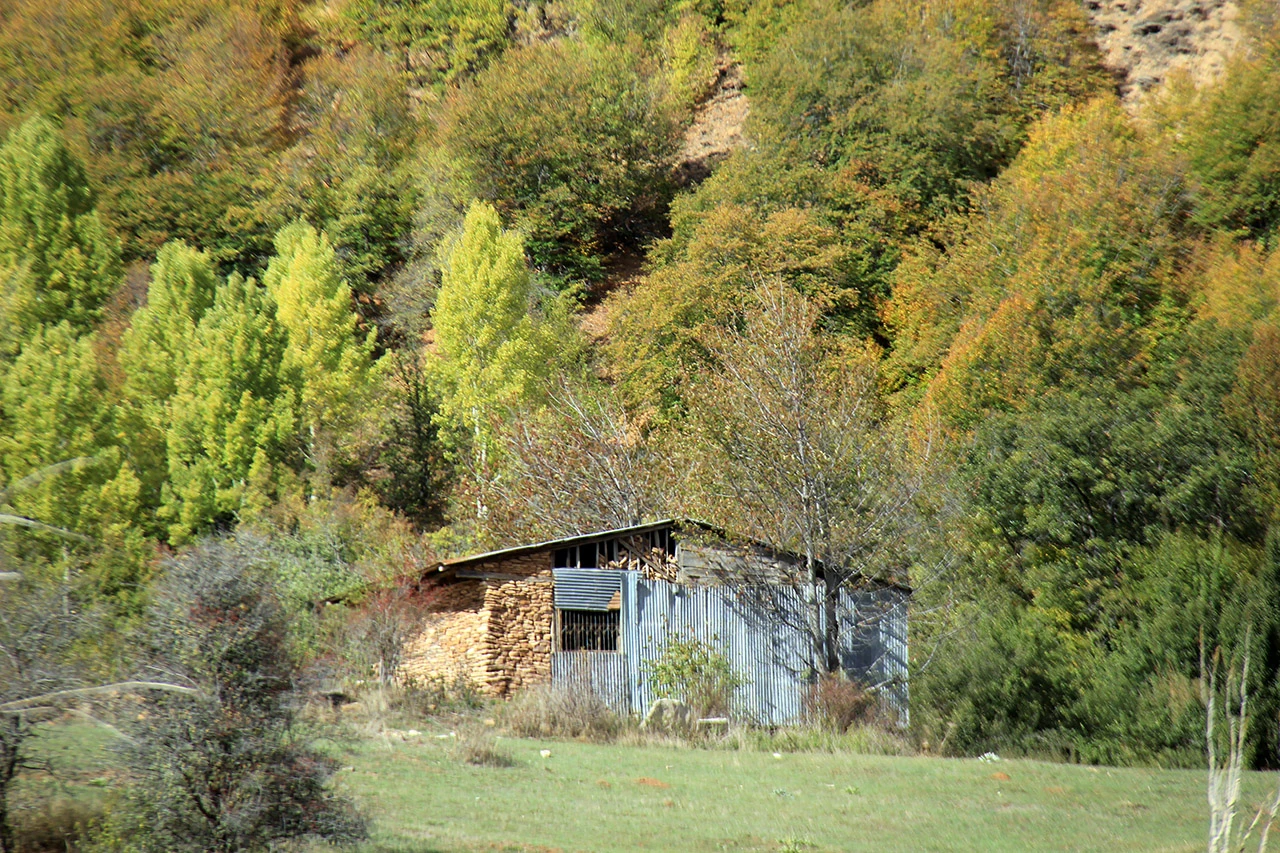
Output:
x,y
789,442
493,354
571,140
57,261
55,406
229,769
234,416
325,349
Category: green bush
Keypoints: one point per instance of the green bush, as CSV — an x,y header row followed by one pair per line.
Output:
x,y
696,673
1231,147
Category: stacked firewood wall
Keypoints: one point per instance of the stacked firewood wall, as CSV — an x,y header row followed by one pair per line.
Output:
x,y
517,651
493,632
448,645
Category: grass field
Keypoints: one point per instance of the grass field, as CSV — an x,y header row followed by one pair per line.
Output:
x,y
587,797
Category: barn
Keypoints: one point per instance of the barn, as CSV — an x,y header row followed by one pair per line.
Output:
x,y
587,612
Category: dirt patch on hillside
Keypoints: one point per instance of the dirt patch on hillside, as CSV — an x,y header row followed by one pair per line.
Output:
x,y
717,127
1146,40
622,272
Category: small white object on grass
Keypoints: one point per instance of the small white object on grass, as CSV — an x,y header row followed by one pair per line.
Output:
x,y
546,753
777,755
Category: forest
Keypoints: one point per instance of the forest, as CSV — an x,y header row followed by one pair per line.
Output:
x,y
357,285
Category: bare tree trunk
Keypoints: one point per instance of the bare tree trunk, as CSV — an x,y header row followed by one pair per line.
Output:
x,y
11,737
817,652
831,602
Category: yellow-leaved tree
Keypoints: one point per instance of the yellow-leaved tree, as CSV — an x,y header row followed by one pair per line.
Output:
x,y
493,356
325,345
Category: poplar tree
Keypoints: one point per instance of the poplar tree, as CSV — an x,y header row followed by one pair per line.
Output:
x,y
154,351
492,355
57,260
233,420
155,347
324,347
55,409
61,464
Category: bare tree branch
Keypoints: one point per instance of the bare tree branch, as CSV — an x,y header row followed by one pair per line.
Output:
x,y
97,690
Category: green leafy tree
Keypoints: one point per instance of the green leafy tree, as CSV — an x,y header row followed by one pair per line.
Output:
x,y
572,140
57,261
182,288
58,442
412,452
154,351
325,349
493,355
434,41
234,426
697,673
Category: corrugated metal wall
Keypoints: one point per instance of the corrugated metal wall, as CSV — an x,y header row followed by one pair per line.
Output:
x,y
603,673
761,631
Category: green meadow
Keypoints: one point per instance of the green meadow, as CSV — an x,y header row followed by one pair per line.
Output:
x,y
588,797
423,797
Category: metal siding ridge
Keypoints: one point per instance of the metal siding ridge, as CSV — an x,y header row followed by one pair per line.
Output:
x,y
766,643
585,589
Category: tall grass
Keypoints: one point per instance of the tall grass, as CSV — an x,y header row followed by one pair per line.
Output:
x,y
547,711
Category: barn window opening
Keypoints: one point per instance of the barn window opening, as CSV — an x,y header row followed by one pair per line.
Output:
x,y
592,555
589,630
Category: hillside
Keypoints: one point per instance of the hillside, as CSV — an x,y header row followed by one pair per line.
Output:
x,y
300,299
1145,40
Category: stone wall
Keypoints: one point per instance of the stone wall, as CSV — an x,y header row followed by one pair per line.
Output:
x,y
494,632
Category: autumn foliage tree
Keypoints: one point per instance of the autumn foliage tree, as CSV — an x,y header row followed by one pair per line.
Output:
x,y
1053,281
571,141
181,108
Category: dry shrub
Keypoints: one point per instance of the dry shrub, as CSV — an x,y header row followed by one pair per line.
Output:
x,y
56,826
374,635
378,707
437,695
483,753
547,711
835,702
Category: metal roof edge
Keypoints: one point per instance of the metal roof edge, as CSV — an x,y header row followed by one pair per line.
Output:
x,y
564,542
584,538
